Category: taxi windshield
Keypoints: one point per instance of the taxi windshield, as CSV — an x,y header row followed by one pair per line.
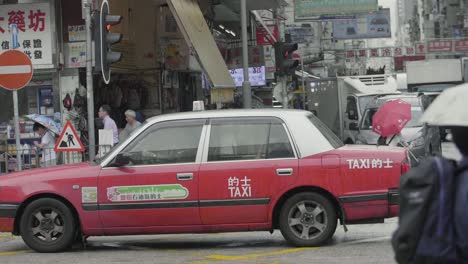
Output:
x,y
108,150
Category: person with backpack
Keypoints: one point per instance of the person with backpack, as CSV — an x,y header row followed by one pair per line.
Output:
x,y
460,138
433,224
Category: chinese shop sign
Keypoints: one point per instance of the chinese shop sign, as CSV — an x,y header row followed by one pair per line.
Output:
x,y
34,31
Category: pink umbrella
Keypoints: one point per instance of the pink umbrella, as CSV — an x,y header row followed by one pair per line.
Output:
x,y
391,118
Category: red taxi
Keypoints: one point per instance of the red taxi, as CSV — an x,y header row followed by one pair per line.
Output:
x,y
210,171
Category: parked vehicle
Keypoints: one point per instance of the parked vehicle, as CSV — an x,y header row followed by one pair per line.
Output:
x,y
433,91
209,171
423,140
340,102
431,72
434,76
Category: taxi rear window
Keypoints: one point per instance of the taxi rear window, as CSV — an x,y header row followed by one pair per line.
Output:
x,y
326,132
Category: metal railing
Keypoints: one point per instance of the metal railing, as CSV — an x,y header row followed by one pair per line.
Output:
x,y
44,157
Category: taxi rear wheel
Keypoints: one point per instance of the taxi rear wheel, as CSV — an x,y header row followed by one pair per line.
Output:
x,y
307,219
47,225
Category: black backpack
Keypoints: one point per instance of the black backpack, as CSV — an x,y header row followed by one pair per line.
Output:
x,y
79,101
426,231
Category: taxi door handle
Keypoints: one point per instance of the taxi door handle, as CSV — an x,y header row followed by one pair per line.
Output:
x,y
184,176
284,172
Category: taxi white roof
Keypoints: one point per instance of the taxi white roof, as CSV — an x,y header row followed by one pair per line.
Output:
x,y
273,112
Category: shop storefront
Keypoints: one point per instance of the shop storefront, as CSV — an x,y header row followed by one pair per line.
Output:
x,y
30,28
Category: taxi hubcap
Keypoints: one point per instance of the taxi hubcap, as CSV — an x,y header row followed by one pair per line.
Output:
x,y
47,225
307,220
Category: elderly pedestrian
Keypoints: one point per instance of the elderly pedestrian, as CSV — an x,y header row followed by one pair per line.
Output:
x,y
132,124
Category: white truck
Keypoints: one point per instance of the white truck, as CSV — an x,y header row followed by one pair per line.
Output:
x,y
339,102
433,75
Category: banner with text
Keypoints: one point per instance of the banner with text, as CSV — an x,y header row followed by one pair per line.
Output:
x,y
375,25
446,47
28,28
320,9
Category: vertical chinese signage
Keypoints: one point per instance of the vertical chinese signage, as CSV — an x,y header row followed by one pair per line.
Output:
x,y
256,57
33,22
264,38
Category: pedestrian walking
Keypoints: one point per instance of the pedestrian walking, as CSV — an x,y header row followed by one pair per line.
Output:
x,y
132,124
433,196
459,135
46,145
109,123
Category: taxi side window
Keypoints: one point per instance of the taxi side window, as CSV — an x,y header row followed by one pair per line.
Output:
x,y
165,145
279,145
248,141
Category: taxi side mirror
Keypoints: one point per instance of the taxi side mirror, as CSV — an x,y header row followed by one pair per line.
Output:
x,y
121,160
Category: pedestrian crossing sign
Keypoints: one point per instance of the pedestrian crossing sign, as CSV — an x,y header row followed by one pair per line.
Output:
x,y
69,140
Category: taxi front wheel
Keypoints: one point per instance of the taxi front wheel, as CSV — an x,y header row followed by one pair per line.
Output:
x,y
47,225
307,219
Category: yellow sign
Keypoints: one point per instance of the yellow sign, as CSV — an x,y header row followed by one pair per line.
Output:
x,y
222,95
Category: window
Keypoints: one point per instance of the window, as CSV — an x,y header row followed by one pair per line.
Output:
x,y
165,145
367,119
351,109
278,144
326,132
249,140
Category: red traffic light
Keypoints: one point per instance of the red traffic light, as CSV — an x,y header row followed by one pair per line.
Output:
x,y
289,48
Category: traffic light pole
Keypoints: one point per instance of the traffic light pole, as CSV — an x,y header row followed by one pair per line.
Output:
x,y
89,80
303,82
282,79
246,90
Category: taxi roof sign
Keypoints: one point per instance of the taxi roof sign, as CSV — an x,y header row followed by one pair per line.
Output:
x,y
69,140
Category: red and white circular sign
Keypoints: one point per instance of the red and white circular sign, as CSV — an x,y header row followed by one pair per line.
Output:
x,y
16,70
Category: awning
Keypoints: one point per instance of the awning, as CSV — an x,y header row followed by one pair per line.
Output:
x,y
197,34
229,10
254,4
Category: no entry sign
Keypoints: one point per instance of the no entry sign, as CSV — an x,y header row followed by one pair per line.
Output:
x,y
16,70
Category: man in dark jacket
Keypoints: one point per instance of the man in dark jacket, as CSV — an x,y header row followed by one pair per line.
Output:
x,y
460,138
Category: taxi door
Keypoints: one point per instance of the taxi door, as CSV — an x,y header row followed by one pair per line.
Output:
x,y
159,185
246,163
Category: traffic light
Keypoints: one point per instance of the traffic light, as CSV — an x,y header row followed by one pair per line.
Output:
x,y
285,63
104,39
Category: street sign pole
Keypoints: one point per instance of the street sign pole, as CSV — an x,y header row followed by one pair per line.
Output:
x,y
19,156
89,79
16,71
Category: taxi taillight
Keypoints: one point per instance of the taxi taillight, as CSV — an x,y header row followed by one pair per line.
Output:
x,y
405,166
